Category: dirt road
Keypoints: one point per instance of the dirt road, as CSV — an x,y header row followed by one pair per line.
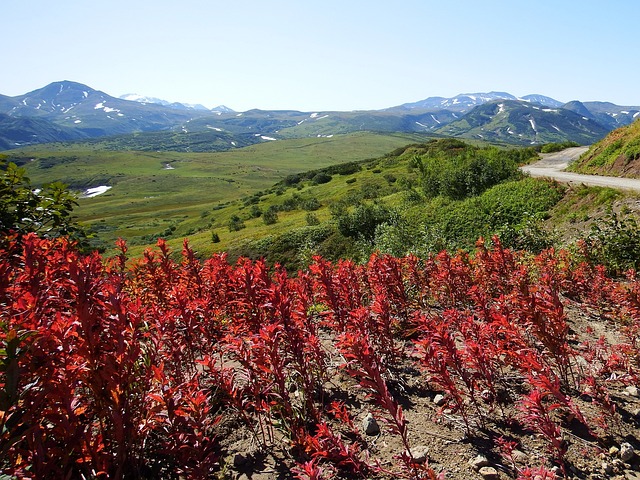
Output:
x,y
552,165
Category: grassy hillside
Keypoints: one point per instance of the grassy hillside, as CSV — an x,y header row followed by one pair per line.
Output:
x,y
289,200
389,203
617,154
175,194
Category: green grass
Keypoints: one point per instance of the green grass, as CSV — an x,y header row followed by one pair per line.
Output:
x,y
194,197
617,154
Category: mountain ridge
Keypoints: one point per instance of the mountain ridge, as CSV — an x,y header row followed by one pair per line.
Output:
x,y
517,121
91,113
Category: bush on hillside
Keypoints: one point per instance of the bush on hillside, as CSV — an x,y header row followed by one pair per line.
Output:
x,y
46,211
614,242
270,216
361,222
557,147
457,170
320,178
235,223
502,207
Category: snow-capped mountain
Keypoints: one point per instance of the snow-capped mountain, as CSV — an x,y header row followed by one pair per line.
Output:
x,y
69,110
92,112
459,103
542,100
524,122
466,101
134,97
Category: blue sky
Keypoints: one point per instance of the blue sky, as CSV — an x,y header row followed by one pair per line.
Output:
x,y
324,55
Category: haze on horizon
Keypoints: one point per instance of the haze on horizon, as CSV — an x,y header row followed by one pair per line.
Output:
x,y
333,55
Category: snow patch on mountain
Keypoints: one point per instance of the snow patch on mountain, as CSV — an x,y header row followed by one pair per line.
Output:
x,y
95,191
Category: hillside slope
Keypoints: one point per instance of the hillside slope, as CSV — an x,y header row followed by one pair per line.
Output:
x,y
22,131
524,123
617,154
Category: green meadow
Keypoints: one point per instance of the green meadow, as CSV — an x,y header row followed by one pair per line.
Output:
x,y
174,194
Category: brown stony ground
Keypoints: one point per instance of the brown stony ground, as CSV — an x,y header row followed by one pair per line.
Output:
x,y
440,434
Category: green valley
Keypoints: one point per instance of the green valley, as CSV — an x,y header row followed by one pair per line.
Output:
x,y
165,194
288,200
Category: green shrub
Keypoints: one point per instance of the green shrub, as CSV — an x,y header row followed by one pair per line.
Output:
x,y
310,205
46,212
505,209
235,224
557,147
270,216
457,170
255,211
320,178
361,223
390,178
614,241
312,219
343,169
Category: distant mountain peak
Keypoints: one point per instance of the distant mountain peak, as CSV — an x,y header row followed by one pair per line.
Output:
x,y
542,100
524,122
65,87
135,97
464,102
222,109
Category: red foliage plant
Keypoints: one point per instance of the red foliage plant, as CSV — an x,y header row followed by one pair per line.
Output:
x,y
126,369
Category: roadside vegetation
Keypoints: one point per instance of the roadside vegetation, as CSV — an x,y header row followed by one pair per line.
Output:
x,y
618,154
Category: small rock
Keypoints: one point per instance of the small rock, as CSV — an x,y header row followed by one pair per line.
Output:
x,y
420,453
632,391
613,451
607,468
370,425
626,452
439,400
479,462
487,396
489,473
239,460
520,457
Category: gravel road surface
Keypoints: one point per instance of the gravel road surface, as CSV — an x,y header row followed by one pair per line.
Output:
x,y
552,165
